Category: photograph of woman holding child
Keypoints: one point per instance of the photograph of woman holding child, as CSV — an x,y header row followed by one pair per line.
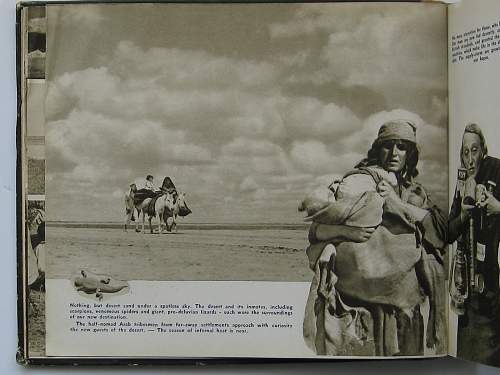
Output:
x,y
377,252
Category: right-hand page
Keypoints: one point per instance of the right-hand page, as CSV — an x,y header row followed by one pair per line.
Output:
x,y
474,149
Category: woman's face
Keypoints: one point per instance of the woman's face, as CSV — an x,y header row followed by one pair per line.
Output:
x,y
393,155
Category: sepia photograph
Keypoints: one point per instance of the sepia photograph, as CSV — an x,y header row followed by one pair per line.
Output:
x,y
36,254
34,146
37,48
474,227
35,136
256,142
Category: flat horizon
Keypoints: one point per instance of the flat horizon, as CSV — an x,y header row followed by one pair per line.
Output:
x,y
187,226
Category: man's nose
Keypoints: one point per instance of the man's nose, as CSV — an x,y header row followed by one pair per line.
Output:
x,y
470,160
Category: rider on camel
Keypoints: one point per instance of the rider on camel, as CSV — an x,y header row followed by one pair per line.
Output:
x,y
169,187
150,183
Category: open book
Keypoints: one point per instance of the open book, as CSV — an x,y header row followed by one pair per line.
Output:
x,y
286,181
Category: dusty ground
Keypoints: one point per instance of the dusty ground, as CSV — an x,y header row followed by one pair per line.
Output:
x,y
191,254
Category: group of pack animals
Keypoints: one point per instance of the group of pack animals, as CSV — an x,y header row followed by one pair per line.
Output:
x,y
165,206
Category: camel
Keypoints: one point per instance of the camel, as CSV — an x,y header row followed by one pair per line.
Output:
x,y
163,202
179,208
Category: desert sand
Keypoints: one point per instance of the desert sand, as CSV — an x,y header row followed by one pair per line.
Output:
x,y
190,254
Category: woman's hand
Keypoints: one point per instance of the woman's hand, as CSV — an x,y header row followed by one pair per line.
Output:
x,y
387,191
411,212
491,203
356,234
340,233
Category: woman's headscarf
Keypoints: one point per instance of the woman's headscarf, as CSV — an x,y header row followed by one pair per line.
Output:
x,y
397,130
403,130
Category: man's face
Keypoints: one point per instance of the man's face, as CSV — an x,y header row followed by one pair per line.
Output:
x,y
472,153
393,155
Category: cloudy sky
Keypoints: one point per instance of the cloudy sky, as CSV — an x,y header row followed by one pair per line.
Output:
x,y
246,107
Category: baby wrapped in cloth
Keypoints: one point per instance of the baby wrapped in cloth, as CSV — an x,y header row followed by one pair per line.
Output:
x,y
364,297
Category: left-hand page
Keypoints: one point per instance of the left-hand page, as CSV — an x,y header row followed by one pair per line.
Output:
x,y
31,128
180,142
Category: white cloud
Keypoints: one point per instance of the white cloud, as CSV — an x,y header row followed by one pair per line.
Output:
x,y
381,46
260,194
311,156
297,59
245,147
86,16
315,157
248,185
309,118
118,193
95,141
308,19
368,54
188,68
439,110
